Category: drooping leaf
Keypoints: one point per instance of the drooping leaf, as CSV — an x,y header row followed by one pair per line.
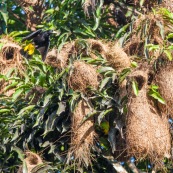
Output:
x,y
135,88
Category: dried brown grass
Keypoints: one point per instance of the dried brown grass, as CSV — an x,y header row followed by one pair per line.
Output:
x,y
135,45
10,57
164,79
60,59
82,139
32,160
112,52
83,76
147,134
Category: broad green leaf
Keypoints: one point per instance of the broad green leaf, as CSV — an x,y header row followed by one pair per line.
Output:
x,y
24,167
168,54
50,11
105,69
112,138
17,93
41,168
152,47
135,88
61,108
12,85
4,110
158,97
141,2
20,153
26,110
102,115
104,82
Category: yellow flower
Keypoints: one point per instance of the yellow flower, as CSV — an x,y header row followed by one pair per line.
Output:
x,y
29,48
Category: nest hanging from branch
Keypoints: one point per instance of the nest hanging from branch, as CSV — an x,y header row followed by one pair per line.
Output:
x,y
83,136
83,76
164,79
112,52
10,58
147,134
32,160
60,59
154,24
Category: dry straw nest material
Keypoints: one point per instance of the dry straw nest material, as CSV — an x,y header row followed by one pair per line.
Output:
x,y
147,134
10,57
164,79
60,58
83,76
152,22
112,52
83,135
32,160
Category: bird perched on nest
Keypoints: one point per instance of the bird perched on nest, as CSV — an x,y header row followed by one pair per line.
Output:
x,y
41,42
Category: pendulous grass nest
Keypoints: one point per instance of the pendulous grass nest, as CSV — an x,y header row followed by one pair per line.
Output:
x,y
82,136
59,59
112,52
164,79
32,160
83,76
10,58
147,133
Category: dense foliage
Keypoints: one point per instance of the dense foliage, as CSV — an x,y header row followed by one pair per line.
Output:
x,y
37,116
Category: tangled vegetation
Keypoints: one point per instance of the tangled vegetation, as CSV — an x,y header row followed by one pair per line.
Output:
x,y
102,100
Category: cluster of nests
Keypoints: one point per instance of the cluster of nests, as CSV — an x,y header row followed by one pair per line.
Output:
x,y
147,133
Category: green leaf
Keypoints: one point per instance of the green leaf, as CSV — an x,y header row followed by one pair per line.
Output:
x,y
12,85
24,167
17,94
1,45
50,11
105,69
122,31
61,108
104,82
135,88
158,97
152,47
102,115
4,12
4,110
168,54
141,2
20,153
134,64
162,32
26,110
41,168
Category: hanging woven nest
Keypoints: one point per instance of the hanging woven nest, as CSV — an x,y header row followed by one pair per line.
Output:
x,y
83,135
147,134
164,79
112,52
83,76
60,59
10,58
32,160
154,24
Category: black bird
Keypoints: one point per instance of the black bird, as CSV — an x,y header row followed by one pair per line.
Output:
x,y
41,41
120,17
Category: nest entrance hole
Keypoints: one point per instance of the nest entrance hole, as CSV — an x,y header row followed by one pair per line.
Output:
x,y
9,53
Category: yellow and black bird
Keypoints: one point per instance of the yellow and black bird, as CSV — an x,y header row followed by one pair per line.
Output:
x,y
40,40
